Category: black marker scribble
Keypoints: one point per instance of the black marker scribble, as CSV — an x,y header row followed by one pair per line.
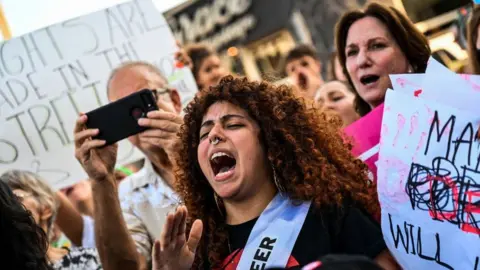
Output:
x,y
410,238
450,192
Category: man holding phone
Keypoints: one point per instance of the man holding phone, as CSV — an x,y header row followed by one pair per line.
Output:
x,y
129,217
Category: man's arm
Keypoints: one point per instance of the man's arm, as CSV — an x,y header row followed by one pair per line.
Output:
x,y
115,245
69,220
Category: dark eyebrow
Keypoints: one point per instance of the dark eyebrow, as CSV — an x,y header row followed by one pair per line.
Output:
x,y
383,39
335,92
351,45
378,39
223,119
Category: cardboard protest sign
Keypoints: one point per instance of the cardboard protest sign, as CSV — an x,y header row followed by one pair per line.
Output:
x,y
429,183
365,133
49,76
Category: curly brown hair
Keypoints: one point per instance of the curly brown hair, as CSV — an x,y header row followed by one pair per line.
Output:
x,y
312,160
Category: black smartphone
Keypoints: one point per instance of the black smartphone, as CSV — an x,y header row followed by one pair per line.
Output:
x,y
119,120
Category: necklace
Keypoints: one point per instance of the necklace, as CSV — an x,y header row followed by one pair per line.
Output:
x,y
234,255
229,247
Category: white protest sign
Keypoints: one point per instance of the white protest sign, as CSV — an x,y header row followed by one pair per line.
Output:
x,y
49,76
429,184
410,83
442,85
473,80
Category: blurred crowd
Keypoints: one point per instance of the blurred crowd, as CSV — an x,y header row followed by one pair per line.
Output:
x,y
242,156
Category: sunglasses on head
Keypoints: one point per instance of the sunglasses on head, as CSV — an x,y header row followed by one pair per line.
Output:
x,y
22,195
161,91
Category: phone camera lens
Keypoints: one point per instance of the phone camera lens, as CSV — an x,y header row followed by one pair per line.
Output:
x,y
137,113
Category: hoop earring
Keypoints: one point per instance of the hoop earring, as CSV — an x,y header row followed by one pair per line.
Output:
x,y
215,196
279,186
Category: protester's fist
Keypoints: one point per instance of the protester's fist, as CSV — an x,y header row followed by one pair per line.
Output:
x,y
163,126
182,57
97,161
173,251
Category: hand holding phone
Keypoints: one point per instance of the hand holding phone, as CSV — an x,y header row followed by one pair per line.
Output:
x,y
97,161
119,120
162,129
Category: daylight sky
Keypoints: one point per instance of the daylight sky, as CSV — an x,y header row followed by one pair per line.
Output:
x,y
28,15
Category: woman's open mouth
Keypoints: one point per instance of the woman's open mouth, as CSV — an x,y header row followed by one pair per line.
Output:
x,y
303,81
223,165
369,79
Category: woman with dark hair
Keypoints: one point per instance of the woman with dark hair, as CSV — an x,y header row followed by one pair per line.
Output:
x,y
268,182
334,70
337,97
24,243
374,43
204,62
38,198
474,40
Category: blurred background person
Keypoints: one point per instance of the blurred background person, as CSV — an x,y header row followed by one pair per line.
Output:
x,y
337,97
304,68
204,62
129,215
125,171
335,71
473,37
24,243
44,205
80,194
372,44
58,238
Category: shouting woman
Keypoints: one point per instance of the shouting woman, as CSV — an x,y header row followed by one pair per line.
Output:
x,y
267,182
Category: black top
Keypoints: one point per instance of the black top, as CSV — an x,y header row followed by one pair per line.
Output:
x,y
334,231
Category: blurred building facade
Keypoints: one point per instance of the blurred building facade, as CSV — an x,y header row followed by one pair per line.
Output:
x,y
253,36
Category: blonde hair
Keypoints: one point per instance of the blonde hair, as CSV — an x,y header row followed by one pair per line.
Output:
x,y
34,184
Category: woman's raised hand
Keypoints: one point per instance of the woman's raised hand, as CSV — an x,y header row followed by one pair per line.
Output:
x,y
182,58
173,251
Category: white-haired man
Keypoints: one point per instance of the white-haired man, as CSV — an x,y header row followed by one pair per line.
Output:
x,y
128,221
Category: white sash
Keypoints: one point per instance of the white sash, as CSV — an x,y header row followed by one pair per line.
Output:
x,y
271,241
